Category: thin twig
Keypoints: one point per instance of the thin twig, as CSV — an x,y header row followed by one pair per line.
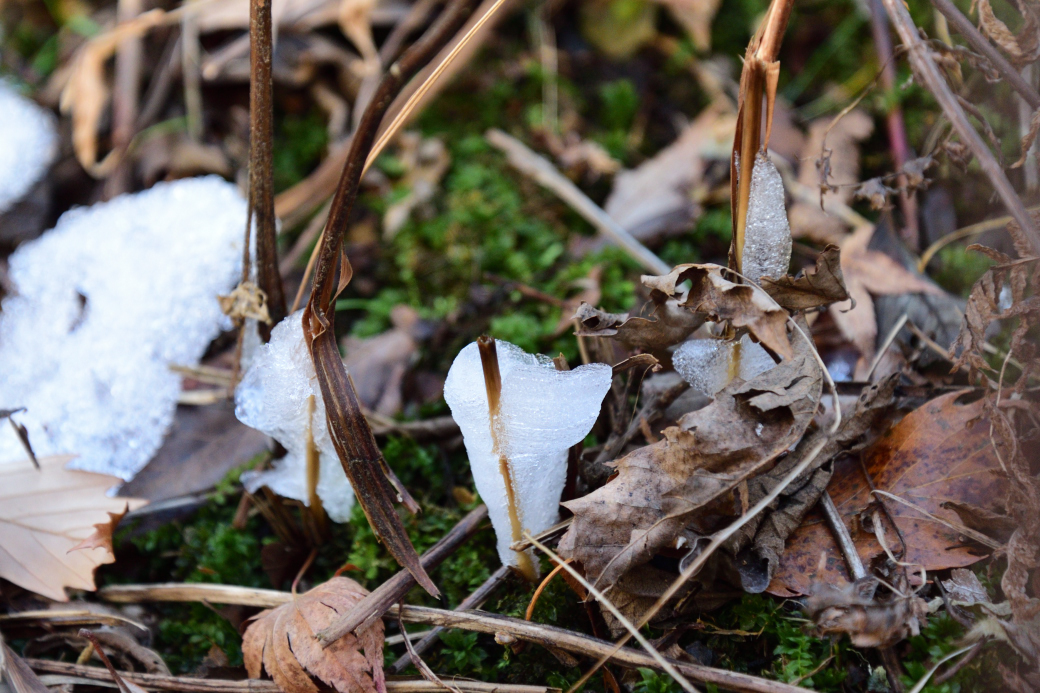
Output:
x,y
841,533
541,170
928,73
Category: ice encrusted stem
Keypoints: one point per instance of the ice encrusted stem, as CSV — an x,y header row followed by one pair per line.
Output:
x,y
493,385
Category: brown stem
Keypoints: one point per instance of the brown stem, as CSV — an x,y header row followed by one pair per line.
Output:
x,y
928,73
126,92
493,386
351,435
393,590
261,153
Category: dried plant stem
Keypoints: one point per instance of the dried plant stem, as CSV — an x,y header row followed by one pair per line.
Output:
x,y
473,601
393,590
190,65
542,171
841,534
126,93
314,473
929,75
475,621
493,387
261,162
188,684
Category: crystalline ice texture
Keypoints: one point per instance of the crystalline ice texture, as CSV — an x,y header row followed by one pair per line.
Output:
x,y
543,413
767,235
273,398
106,302
706,363
28,143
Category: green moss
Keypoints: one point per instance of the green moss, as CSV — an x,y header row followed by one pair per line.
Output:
x,y
959,269
299,144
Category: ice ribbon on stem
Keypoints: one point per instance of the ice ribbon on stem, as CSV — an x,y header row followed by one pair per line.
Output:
x,y
373,482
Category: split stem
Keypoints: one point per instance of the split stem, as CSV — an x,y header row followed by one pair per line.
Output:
x,y
493,384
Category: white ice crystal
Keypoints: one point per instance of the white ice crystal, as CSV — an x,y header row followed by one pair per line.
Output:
x,y
28,142
543,412
767,235
273,398
105,303
708,365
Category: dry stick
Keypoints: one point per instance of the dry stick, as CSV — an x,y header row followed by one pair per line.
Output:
x,y
841,533
190,65
892,334
474,621
473,601
160,682
261,162
977,41
126,92
393,590
542,171
374,483
928,73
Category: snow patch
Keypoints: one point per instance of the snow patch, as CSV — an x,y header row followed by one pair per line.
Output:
x,y
28,143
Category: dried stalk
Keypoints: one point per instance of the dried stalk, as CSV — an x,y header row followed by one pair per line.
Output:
x,y
261,166
189,684
493,386
372,480
928,74
475,621
842,536
393,590
757,80
126,93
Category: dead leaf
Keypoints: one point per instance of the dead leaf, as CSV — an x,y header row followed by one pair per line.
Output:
x,y
874,191
660,488
1023,48
914,170
44,515
696,17
657,197
102,536
937,453
16,675
852,609
425,162
668,324
820,287
866,273
281,641
964,587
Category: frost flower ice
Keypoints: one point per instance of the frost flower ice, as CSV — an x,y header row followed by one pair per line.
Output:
x,y
520,451
279,395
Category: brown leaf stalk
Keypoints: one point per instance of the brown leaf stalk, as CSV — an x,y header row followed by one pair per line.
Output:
x,y
261,166
350,432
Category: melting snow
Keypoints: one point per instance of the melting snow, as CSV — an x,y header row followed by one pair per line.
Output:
x,y
273,398
106,302
28,143
543,413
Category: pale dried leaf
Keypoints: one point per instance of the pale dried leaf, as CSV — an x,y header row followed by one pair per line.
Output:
x,y
964,587
44,515
874,191
852,609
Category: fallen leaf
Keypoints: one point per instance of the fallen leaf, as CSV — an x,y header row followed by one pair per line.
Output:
x,y
874,191
102,536
866,273
44,515
16,675
425,162
281,641
657,197
964,586
853,609
1023,48
660,488
820,287
940,452
668,324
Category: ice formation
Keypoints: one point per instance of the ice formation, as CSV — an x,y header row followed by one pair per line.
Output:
x,y
273,398
105,303
767,235
28,142
543,412
709,364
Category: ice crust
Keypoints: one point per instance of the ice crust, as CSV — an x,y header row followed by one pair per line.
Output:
x,y
767,234
705,363
543,412
272,397
28,143
106,302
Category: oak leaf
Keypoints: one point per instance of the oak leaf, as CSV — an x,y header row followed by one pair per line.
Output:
x,y
49,525
940,452
281,641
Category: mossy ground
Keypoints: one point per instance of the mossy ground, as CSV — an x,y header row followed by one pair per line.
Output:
x,y
490,221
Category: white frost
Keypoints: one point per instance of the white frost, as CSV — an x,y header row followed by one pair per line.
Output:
x,y
106,302
767,235
273,398
28,143
706,363
543,413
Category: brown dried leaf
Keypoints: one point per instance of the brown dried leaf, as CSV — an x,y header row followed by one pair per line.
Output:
x,y
669,324
1023,48
914,170
820,287
937,453
964,586
102,536
853,609
281,641
875,191
661,488
44,515
16,675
